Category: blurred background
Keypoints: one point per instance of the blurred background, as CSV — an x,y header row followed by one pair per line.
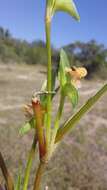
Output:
x,y
80,163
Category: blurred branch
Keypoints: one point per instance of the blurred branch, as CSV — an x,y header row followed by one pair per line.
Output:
x,y
7,177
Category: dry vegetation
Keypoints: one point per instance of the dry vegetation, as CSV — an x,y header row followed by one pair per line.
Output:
x,y
80,162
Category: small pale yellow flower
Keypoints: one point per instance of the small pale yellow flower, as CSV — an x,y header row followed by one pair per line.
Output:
x,y
76,74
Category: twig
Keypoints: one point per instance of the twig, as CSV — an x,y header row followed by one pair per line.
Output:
x,y
7,177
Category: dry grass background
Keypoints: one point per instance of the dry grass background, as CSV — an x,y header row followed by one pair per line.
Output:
x,y
80,162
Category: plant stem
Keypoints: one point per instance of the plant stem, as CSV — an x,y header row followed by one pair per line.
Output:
x,y
39,174
57,120
29,163
49,78
39,126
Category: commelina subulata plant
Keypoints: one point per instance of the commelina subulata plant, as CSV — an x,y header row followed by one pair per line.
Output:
x,y
47,135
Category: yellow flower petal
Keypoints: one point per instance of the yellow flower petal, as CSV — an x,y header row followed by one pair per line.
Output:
x,y
82,72
77,72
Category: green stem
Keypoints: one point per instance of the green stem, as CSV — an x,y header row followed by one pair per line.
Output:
x,y
57,120
72,121
49,77
29,163
39,174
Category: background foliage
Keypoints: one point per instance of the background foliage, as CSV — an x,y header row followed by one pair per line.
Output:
x,y
91,54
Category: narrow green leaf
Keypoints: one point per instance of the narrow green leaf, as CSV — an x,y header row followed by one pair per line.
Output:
x,y
64,58
27,127
67,6
71,92
64,63
72,121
